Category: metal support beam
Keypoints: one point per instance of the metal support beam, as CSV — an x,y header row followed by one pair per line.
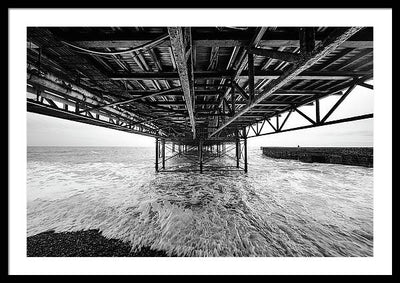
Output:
x,y
309,59
320,96
350,119
275,41
233,101
277,122
132,100
307,39
227,74
245,150
366,85
251,76
227,107
272,126
156,164
201,155
163,153
234,39
181,44
305,116
280,55
237,149
350,89
243,58
242,93
81,97
45,109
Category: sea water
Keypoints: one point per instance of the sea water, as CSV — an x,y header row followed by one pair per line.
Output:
x,y
279,208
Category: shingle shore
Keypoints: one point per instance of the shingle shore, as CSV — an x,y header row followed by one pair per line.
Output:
x,y
89,243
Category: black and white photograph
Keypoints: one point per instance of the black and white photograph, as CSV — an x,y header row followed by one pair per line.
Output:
x,y
206,141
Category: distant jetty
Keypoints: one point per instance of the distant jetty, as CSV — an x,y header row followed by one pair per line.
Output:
x,y
358,156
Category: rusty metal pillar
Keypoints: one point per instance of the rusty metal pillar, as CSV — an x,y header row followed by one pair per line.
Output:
x,y
156,155
237,149
163,153
201,155
245,149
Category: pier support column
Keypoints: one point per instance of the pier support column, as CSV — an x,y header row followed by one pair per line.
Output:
x,y
156,164
245,149
201,156
237,150
180,149
163,153
173,147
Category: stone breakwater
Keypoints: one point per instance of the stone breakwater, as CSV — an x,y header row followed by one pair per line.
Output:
x,y
358,156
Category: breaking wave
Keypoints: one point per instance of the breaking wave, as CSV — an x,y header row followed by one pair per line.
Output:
x,y
280,208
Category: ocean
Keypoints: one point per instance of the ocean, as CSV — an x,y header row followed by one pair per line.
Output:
x,y
280,208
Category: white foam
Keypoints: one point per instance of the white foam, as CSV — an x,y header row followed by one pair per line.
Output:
x,y
281,208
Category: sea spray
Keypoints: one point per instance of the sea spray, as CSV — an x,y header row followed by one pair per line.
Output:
x,y
280,208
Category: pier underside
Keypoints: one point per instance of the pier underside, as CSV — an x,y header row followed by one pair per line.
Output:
x,y
202,156
201,92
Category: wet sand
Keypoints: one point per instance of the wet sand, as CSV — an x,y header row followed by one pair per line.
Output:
x,y
89,243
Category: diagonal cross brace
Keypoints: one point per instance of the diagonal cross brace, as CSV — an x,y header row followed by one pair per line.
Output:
x,y
306,61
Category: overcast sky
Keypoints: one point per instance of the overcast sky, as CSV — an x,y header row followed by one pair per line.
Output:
x,y
48,131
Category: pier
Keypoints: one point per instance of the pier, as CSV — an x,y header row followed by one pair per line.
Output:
x,y
200,92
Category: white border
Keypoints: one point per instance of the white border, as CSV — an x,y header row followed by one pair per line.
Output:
x,y
381,20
